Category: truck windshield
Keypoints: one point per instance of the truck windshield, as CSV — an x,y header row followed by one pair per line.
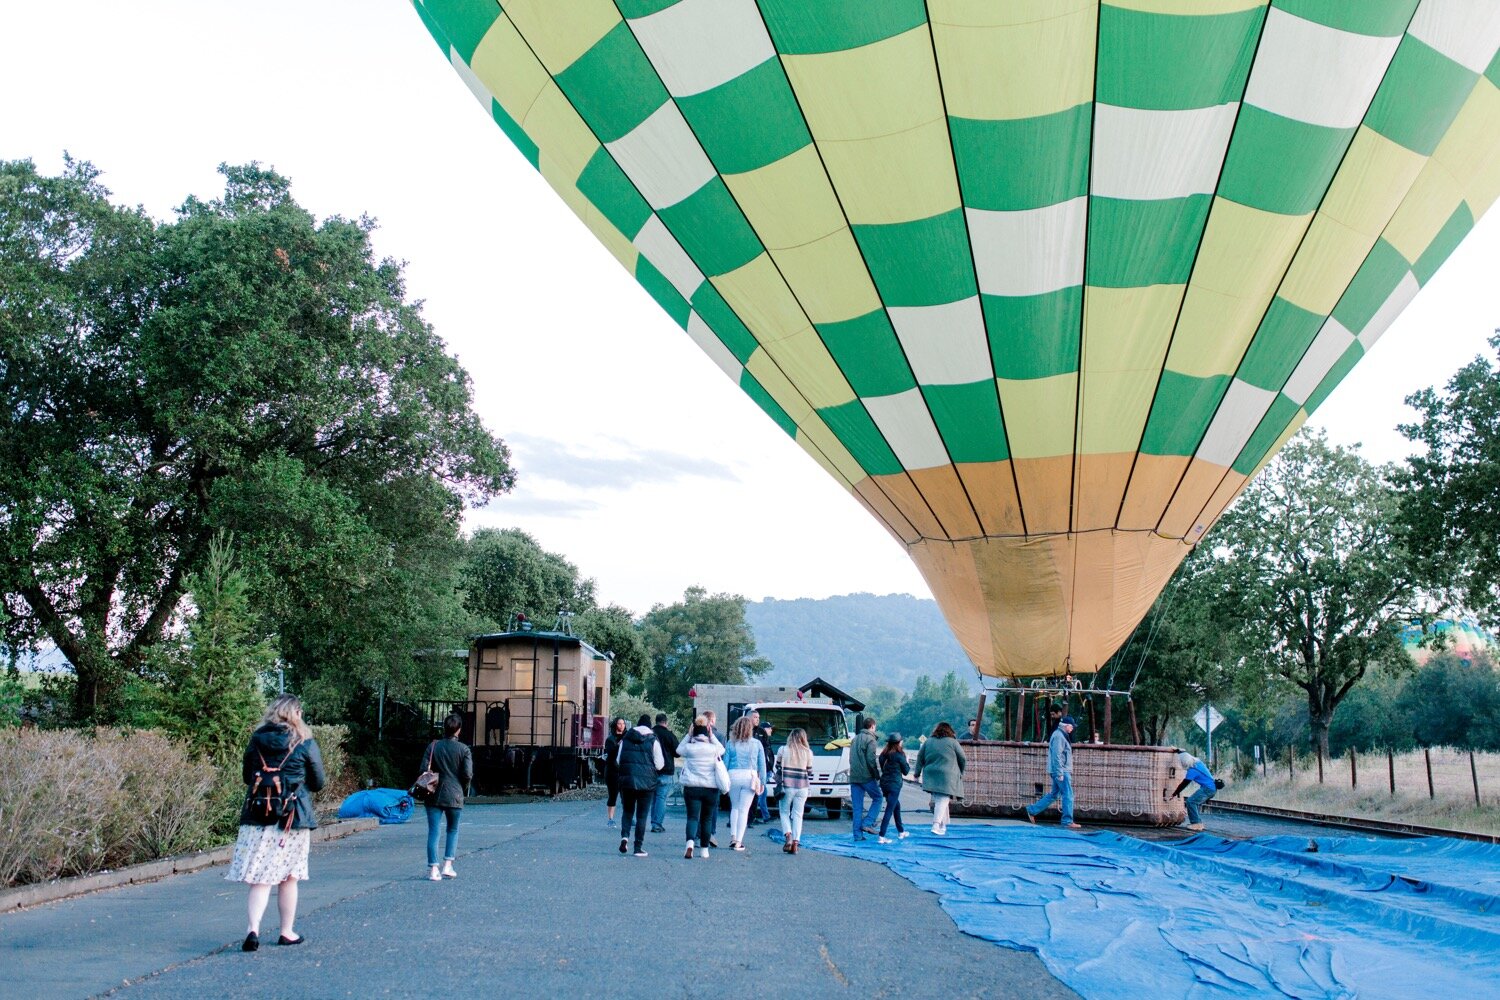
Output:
x,y
822,725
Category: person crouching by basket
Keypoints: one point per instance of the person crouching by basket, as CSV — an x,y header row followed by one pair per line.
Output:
x,y
893,770
453,762
282,768
1060,770
1196,772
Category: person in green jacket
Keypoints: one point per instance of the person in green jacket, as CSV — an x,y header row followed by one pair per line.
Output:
x,y
940,769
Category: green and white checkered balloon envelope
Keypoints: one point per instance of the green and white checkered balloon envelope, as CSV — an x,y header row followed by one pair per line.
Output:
x,y
1043,283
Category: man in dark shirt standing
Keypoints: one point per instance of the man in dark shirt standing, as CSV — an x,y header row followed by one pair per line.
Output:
x,y
668,741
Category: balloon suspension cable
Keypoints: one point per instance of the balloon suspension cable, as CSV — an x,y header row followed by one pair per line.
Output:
x,y
1151,636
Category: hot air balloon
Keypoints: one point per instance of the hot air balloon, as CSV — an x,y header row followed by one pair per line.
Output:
x,y
1042,283
1465,638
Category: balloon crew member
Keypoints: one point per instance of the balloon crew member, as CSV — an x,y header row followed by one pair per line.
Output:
x,y
1196,772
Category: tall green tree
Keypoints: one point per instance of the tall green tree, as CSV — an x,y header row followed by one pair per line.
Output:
x,y
701,639
1312,567
507,571
210,684
243,367
1450,491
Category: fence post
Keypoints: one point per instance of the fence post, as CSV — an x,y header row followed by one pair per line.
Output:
x,y
1390,759
1474,773
1427,753
1291,772
1353,770
1318,749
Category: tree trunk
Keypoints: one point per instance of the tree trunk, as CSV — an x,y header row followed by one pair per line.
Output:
x,y
1320,721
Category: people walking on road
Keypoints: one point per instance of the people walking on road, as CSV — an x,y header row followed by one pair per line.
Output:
x,y
611,769
893,770
1060,770
454,764
700,784
282,767
864,778
746,761
1196,772
666,777
711,720
793,781
763,734
940,768
639,760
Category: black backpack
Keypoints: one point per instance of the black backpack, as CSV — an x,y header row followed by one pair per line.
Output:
x,y
271,796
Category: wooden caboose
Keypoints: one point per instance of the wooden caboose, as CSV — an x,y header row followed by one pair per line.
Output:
x,y
536,708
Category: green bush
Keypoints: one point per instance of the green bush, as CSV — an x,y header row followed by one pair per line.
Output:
x,y
73,802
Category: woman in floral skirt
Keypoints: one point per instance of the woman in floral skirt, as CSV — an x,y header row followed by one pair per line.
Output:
x,y
282,768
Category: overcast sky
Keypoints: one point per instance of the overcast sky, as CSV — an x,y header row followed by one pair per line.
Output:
x,y
638,459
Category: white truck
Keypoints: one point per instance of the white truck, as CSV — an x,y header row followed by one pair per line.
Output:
x,y
788,708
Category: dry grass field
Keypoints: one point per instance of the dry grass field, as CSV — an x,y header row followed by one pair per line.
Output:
x,y
1450,807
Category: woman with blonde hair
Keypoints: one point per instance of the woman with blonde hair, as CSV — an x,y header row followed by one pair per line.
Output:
x,y
282,768
745,760
793,779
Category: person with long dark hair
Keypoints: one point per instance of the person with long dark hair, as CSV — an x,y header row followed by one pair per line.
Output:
x,y
282,767
454,764
940,768
612,767
893,771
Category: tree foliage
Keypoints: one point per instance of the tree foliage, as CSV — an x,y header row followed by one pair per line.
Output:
x,y
508,572
1176,658
948,699
242,367
701,639
1309,563
209,695
1450,493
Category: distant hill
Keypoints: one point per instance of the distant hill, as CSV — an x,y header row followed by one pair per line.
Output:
x,y
856,640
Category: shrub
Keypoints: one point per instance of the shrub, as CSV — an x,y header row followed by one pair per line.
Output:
x,y
73,802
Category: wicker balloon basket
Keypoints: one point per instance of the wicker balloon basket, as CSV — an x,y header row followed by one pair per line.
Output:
x,y
1111,783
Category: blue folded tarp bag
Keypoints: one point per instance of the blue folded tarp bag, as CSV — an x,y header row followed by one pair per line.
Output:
x,y
389,805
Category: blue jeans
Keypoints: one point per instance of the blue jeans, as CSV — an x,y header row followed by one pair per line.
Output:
x,y
1195,802
664,786
1062,788
434,814
857,795
761,809
892,811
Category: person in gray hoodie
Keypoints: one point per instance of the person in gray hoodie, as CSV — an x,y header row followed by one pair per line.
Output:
x,y
1060,770
864,779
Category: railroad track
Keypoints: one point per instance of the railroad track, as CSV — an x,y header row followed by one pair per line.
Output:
x,y
1351,822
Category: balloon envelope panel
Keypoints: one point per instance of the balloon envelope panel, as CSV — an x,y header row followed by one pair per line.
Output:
x,y
1042,283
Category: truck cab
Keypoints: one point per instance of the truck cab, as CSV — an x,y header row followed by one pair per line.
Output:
x,y
828,736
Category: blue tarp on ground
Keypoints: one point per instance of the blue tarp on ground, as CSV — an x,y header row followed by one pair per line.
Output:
x,y
1114,916
389,805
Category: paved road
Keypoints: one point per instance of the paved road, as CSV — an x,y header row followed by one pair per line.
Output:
x,y
544,906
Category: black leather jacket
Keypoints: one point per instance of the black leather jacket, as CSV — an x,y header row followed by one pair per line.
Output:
x,y
303,770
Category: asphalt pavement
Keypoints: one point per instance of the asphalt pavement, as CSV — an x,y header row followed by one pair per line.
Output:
x,y
544,906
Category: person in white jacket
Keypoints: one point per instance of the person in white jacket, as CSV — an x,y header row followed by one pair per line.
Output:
x,y
700,784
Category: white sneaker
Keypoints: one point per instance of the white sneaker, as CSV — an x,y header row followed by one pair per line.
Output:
x,y
883,840
448,871
703,852
434,875
940,833
902,835
640,854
